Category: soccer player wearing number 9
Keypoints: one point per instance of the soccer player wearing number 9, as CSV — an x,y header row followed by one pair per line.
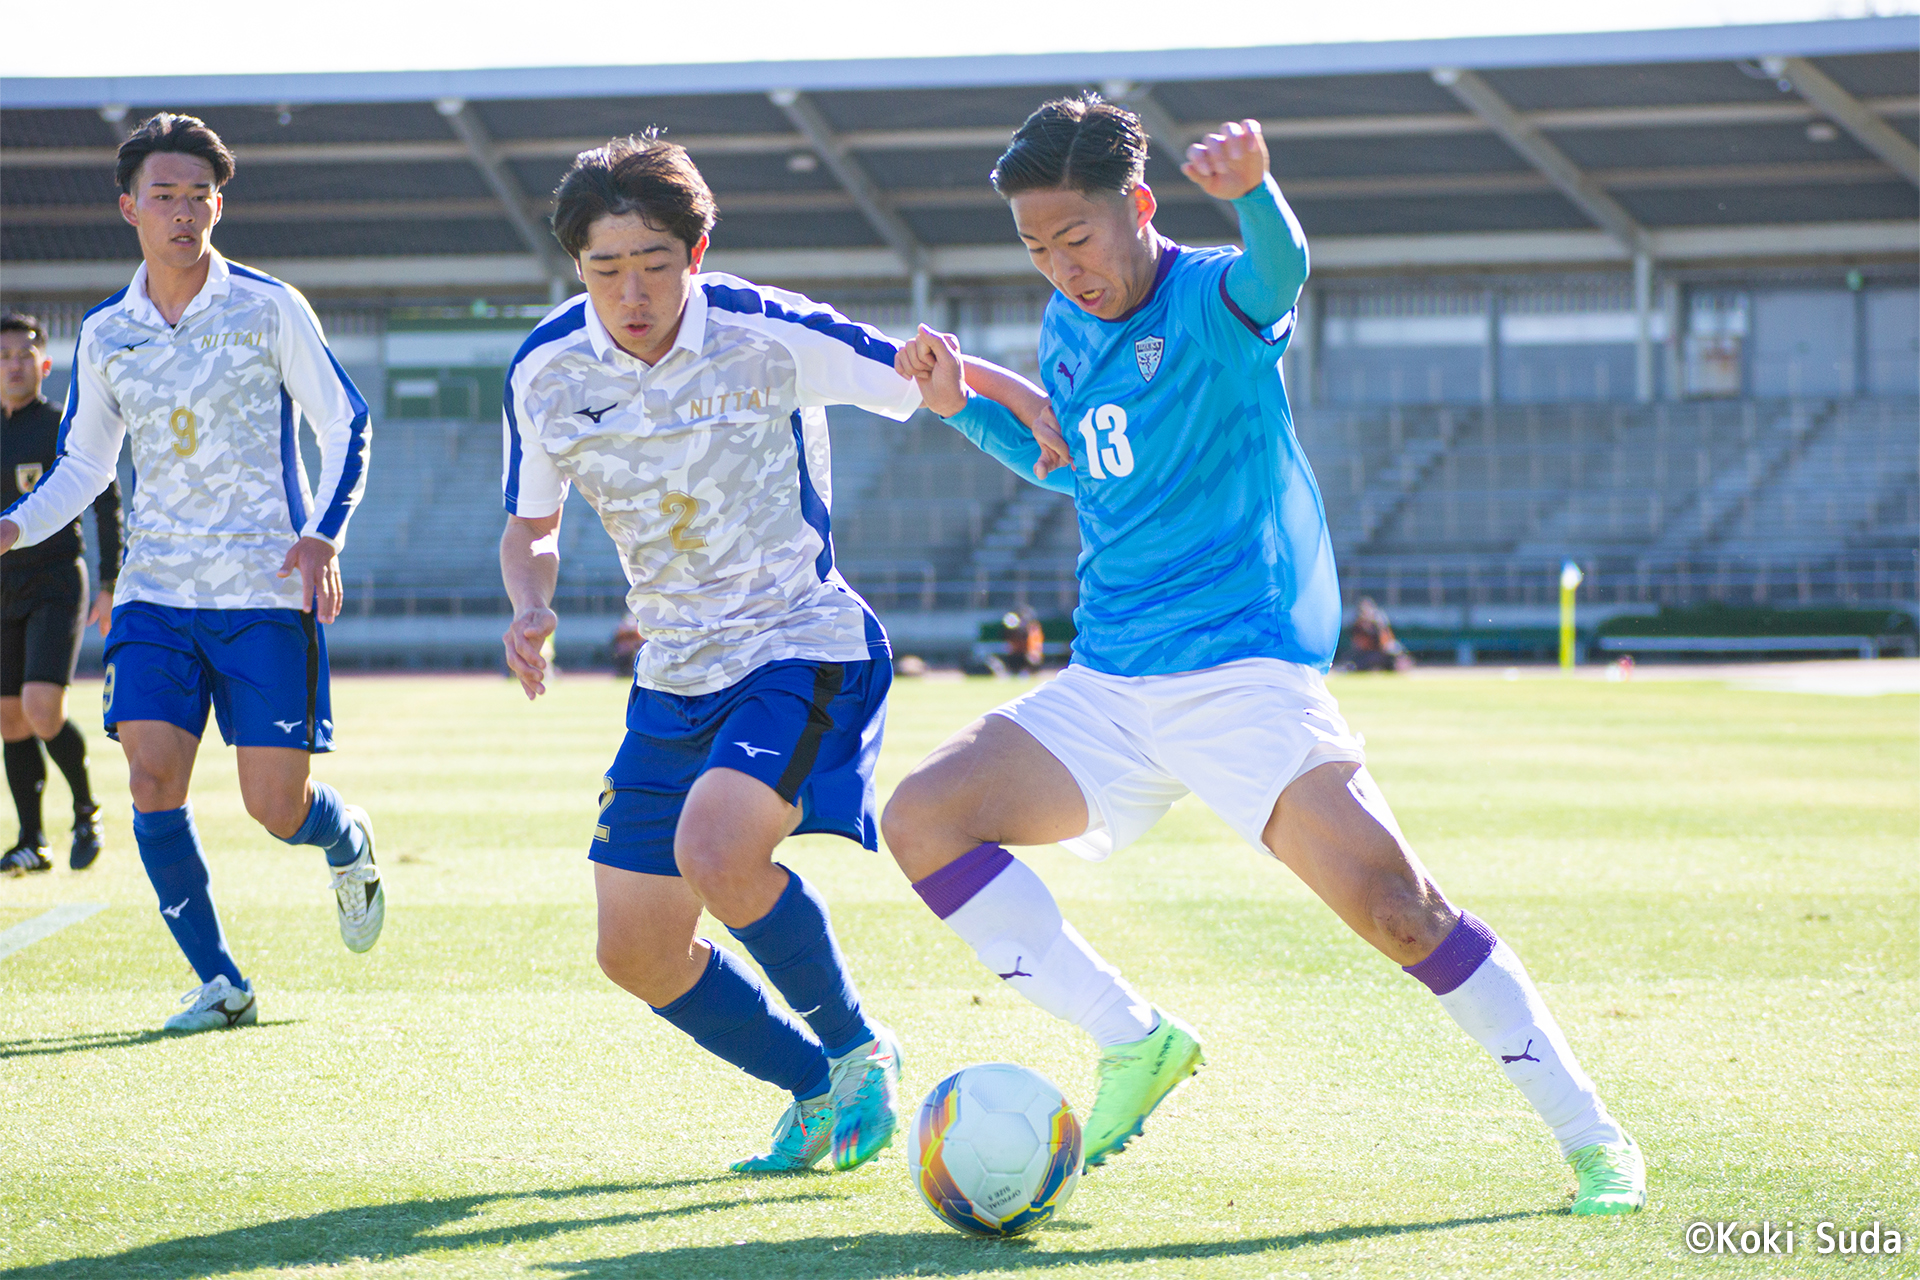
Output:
x,y
690,410
1209,609
206,367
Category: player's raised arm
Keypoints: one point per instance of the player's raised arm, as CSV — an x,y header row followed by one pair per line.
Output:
x,y
91,431
1232,164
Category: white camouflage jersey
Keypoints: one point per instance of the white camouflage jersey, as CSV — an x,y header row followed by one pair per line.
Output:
x,y
212,406
710,470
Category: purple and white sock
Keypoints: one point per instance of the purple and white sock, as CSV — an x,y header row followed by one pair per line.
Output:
x,y
1482,985
1001,909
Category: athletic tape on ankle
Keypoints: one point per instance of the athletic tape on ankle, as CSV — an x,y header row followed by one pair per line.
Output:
x,y
1464,949
953,886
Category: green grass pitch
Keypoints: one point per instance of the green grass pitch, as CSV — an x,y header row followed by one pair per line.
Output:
x,y
1716,890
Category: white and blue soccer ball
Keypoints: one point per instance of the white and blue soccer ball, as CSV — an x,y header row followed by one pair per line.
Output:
x,y
995,1150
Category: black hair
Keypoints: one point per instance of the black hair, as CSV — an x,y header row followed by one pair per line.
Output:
x,y
641,174
1083,144
166,131
21,322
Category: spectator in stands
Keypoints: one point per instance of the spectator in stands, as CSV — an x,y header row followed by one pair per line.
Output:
x,y
1026,640
1371,645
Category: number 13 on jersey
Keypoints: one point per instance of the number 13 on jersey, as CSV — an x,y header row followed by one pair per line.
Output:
x,y
1114,456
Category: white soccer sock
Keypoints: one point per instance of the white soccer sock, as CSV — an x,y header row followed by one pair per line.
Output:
x,y
1013,925
1500,1008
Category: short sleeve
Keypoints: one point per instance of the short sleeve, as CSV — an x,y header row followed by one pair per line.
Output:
x,y
1209,310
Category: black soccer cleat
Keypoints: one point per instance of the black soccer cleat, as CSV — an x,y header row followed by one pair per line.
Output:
x,y
28,855
86,838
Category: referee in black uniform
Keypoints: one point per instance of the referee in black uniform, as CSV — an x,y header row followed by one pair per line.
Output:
x,y
43,609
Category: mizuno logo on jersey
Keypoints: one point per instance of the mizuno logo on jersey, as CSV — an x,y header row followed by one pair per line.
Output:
x,y
1146,353
753,751
597,414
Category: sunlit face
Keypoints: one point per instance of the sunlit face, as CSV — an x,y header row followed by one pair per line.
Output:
x,y
1100,250
23,367
174,206
638,278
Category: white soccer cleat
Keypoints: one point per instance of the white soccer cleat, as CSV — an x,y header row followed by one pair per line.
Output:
x,y
357,892
215,1006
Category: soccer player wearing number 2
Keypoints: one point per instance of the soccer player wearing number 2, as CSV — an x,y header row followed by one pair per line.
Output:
x,y
1209,611
689,408
206,367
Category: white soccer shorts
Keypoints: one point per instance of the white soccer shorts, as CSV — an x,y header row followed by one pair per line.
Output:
x,y
1235,735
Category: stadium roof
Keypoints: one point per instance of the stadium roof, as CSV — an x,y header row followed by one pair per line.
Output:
x,y
1787,142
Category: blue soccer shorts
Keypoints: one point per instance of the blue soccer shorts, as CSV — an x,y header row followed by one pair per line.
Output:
x,y
809,730
263,671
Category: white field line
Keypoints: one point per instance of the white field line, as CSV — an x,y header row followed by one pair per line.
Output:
x,y
45,925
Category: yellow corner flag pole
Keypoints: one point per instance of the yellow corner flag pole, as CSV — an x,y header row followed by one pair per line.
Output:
x,y
1570,577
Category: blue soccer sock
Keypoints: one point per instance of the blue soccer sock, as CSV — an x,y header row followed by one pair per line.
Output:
x,y
728,1013
328,826
170,850
794,943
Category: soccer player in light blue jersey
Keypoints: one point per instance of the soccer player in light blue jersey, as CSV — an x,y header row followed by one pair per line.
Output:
x,y
1209,611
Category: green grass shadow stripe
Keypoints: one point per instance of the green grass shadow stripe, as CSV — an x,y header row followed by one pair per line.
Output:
x,y
374,1233
943,1253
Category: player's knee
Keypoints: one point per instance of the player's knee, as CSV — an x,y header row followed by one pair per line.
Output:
x,y
633,970
1410,915
915,813
45,711
282,814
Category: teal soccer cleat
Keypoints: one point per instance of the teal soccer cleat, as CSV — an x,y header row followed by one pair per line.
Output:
x,y
866,1091
800,1138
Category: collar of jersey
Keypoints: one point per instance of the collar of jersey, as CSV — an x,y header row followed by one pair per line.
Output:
x,y
1168,252
692,335
140,307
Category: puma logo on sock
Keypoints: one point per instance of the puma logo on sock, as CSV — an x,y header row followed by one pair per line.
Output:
x,y
1522,1056
1018,972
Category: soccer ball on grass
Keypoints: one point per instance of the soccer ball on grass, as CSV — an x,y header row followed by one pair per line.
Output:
x,y
995,1150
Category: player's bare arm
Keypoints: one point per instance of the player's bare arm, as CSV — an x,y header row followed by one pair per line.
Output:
x,y
1028,402
530,568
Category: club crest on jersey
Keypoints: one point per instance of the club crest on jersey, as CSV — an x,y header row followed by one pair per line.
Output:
x,y
27,475
1147,353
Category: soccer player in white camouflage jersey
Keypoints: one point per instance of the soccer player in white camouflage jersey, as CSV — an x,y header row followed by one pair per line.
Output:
x,y
689,409
206,367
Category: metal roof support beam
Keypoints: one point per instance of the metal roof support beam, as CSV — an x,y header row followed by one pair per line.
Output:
x,y
866,194
513,197
1525,137
1167,133
1847,111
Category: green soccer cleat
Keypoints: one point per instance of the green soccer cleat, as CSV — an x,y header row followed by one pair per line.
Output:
x,y
866,1091
1613,1178
1134,1079
800,1139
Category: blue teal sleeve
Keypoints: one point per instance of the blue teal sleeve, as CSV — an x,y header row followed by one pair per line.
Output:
x,y
995,430
1264,282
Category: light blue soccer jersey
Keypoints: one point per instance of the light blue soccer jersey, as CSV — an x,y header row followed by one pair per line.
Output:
x,y
1202,536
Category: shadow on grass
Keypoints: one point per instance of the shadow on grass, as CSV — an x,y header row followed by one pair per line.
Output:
x,y
376,1233
948,1253
83,1041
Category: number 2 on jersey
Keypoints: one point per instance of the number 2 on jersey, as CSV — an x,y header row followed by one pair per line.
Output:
x,y
684,508
1116,456
186,432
